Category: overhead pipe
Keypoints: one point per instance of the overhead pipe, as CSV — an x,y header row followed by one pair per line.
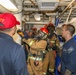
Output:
x,y
30,9
69,15
67,7
32,2
37,23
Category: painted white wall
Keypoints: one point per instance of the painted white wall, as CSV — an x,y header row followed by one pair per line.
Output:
x,y
18,15
16,37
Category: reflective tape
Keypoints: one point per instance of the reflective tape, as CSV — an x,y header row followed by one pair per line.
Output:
x,y
57,45
52,41
31,43
35,58
44,73
51,70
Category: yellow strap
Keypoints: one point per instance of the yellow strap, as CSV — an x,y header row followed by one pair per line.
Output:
x,y
31,43
57,44
52,41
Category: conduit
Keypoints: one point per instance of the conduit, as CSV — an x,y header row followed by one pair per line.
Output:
x,y
67,7
69,15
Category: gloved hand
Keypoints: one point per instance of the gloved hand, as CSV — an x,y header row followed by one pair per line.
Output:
x,y
20,33
50,72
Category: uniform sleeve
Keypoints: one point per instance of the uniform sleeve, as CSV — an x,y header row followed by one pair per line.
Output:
x,y
19,62
72,62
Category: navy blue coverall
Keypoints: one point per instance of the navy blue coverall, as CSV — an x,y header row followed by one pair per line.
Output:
x,y
68,58
12,57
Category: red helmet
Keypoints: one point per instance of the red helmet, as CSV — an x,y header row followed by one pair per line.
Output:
x,y
50,24
44,30
50,27
45,26
35,29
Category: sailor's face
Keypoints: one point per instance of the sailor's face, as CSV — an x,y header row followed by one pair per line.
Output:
x,y
64,32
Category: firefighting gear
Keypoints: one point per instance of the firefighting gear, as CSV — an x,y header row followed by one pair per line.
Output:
x,y
44,30
50,73
34,44
52,47
51,70
49,60
49,24
42,34
50,27
33,69
36,55
41,53
53,42
51,35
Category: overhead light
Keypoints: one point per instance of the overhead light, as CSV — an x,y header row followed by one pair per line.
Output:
x,y
27,17
8,5
37,17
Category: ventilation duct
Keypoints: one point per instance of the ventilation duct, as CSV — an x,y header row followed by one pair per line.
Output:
x,y
48,4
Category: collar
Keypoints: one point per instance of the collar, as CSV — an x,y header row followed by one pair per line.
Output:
x,y
3,35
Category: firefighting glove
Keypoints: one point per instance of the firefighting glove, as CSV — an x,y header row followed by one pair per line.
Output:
x,y
51,70
20,33
50,73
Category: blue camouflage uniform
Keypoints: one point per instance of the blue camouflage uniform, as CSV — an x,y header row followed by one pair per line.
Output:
x,y
12,57
68,58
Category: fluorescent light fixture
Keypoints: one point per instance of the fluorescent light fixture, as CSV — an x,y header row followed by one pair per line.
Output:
x,y
8,5
37,17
